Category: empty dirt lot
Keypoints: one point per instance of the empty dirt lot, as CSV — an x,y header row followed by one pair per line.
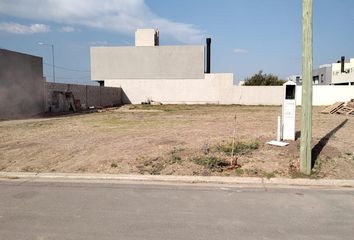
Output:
x,y
174,139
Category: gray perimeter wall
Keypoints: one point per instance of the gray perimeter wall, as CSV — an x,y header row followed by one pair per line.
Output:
x,y
88,95
162,62
21,85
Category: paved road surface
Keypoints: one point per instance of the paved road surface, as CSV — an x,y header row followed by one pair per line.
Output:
x,y
49,210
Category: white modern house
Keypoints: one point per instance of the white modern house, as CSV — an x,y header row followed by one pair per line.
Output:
x,y
168,74
343,72
339,73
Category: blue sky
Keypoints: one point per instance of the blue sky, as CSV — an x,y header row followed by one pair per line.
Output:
x,y
247,35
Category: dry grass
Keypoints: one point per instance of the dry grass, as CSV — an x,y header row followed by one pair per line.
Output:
x,y
173,139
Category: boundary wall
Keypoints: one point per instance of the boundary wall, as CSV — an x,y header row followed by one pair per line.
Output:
x,y
88,95
219,89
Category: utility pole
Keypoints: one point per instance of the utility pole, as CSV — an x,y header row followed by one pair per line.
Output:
x,y
306,116
53,62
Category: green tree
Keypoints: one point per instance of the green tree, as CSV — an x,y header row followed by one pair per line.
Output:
x,y
263,79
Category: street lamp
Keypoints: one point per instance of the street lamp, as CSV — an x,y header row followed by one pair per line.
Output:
x,y
50,45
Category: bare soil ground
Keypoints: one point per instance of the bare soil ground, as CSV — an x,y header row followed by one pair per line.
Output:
x,y
174,139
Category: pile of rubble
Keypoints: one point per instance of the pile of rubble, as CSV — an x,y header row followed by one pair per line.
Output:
x,y
340,108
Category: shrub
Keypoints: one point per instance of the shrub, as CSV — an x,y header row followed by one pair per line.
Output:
x,y
211,162
238,148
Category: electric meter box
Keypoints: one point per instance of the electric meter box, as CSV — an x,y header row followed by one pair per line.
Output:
x,y
289,111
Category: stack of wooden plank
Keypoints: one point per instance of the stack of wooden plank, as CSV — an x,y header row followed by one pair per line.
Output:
x,y
340,108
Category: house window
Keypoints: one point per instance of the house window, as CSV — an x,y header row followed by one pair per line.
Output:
x,y
322,77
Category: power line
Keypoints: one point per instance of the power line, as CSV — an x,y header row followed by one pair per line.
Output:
x,y
67,69
82,77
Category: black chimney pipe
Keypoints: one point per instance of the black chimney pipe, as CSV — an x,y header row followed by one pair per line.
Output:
x,y
208,55
342,61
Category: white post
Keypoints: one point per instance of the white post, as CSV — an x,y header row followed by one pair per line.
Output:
x,y
289,111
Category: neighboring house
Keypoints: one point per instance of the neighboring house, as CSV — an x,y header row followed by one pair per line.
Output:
x,y
339,73
343,72
322,75
168,74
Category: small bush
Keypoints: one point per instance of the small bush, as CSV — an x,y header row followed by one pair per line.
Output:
x,y
211,162
239,172
152,166
238,148
28,169
114,165
269,175
206,148
175,158
252,172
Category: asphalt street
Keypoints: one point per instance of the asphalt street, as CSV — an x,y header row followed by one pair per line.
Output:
x,y
74,210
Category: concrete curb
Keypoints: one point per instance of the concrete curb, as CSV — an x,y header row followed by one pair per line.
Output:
x,y
182,179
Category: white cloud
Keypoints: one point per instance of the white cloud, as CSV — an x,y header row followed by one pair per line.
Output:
x,y
17,28
123,16
240,50
67,29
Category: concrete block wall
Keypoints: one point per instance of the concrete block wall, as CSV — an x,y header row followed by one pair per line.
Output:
x,y
93,96
88,95
109,94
